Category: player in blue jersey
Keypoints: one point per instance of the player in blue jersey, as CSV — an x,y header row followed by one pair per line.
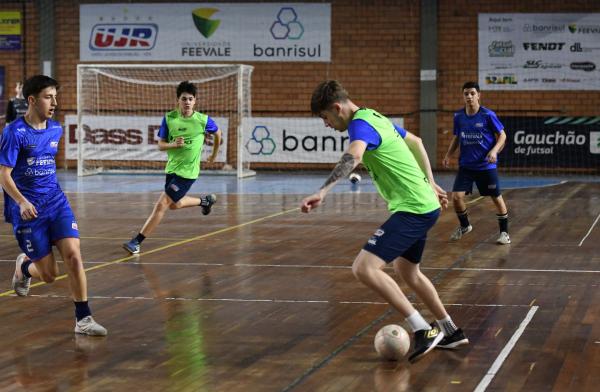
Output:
x,y
35,204
481,136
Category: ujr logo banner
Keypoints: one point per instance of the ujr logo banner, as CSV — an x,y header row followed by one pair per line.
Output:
x,y
205,32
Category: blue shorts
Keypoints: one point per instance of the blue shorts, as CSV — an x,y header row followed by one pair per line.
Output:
x,y
486,180
55,222
403,235
176,187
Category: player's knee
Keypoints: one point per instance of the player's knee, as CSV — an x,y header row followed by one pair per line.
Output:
x,y
47,276
456,198
175,206
360,270
73,261
410,277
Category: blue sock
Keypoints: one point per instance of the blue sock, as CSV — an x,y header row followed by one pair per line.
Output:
x,y
82,310
25,268
140,237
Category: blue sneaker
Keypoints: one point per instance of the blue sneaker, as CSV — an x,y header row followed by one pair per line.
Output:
x,y
132,247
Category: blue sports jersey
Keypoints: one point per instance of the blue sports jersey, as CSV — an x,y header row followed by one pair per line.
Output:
x,y
359,129
30,152
476,137
163,132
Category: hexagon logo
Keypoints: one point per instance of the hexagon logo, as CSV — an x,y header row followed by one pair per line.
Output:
x,y
287,25
261,142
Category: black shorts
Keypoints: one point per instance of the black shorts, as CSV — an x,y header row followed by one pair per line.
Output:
x,y
176,187
486,180
403,235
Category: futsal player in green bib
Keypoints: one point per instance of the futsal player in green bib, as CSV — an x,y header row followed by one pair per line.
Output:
x,y
181,135
398,164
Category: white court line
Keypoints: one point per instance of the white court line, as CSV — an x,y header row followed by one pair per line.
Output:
x,y
487,379
292,301
247,265
590,230
512,270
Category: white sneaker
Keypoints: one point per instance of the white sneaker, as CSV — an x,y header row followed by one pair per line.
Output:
x,y
503,239
89,326
20,283
459,232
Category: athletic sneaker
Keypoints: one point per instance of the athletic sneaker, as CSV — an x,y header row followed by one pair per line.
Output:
x,y
132,246
458,338
207,203
460,231
20,285
425,341
503,239
89,326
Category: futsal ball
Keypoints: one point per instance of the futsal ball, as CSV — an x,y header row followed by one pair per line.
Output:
x,y
354,178
392,342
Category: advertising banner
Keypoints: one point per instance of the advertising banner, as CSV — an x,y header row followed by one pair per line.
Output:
x,y
552,142
126,138
539,51
294,140
197,32
10,30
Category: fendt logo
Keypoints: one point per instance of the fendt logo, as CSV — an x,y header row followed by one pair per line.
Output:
x,y
203,23
123,36
287,25
261,142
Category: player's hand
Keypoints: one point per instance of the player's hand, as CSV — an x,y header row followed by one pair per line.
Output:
x,y
442,195
446,162
179,142
492,156
311,202
211,159
28,211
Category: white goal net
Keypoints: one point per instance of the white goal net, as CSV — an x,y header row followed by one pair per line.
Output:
x,y
120,108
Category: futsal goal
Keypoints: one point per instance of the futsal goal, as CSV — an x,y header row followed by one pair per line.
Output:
x,y
120,108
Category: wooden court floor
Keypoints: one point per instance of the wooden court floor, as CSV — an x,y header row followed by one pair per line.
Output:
x,y
258,297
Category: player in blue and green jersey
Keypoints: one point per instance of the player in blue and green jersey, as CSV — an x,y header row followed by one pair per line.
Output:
x,y
181,134
481,136
398,164
35,204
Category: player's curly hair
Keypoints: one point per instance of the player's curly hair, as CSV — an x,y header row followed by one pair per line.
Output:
x,y
326,94
186,87
35,84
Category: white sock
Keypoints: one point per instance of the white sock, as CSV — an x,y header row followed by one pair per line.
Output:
x,y
417,322
447,325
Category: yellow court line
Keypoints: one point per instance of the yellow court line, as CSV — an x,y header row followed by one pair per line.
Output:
x,y
111,238
7,293
474,200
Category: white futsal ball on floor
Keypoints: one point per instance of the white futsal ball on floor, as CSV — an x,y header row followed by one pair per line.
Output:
x,y
354,178
392,342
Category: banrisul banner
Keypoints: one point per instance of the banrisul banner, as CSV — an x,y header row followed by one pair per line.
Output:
x,y
126,138
197,32
556,142
558,51
293,140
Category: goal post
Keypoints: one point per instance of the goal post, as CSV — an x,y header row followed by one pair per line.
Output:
x,y
120,108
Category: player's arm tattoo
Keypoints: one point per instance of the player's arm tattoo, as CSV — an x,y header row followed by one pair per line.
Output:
x,y
342,169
